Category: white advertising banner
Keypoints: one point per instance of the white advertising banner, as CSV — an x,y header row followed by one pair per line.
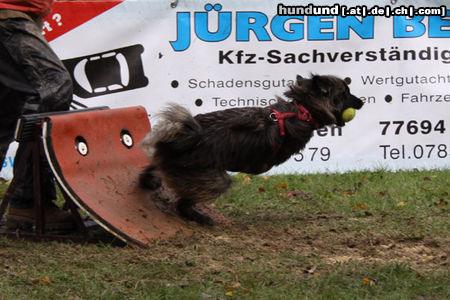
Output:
x,y
217,55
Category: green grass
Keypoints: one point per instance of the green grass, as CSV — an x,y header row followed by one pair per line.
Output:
x,y
357,235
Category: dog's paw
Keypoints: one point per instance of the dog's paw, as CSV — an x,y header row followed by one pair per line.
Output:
x,y
190,212
148,180
151,183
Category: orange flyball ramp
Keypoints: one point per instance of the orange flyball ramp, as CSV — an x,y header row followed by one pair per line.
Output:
x,y
96,159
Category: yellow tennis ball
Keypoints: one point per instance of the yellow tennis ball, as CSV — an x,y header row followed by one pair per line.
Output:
x,y
348,114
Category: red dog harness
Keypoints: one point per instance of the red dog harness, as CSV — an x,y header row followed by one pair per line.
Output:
x,y
279,117
303,115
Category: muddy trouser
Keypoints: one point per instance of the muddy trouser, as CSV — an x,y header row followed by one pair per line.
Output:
x,y
32,80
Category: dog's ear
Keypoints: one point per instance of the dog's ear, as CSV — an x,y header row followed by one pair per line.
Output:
x,y
322,84
296,90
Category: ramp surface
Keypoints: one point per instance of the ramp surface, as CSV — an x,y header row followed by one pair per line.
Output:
x,y
97,160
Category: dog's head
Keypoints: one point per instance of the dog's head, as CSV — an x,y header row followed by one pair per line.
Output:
x,y
326,97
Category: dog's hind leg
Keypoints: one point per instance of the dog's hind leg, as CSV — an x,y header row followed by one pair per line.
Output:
x,y
203,188
186,208
148,179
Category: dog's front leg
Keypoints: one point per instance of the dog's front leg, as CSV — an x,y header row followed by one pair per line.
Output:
x,y
149,180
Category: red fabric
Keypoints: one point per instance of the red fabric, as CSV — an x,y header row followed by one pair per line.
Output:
x,y
74,14
279,117
305,115
41,8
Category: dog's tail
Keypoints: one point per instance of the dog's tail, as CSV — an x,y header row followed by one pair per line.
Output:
x,y
176,128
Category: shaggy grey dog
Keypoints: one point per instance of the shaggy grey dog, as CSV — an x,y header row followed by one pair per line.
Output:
x,y
192,154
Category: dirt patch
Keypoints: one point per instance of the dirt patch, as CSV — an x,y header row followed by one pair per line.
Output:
x,y
326,238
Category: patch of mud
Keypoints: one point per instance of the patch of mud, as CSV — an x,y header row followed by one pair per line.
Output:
x,y
324,238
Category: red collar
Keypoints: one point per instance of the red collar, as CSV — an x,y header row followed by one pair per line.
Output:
x,y
304,114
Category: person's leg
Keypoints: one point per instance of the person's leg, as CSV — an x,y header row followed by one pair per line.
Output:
x,y
14,88
8,118
44,71
49,88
